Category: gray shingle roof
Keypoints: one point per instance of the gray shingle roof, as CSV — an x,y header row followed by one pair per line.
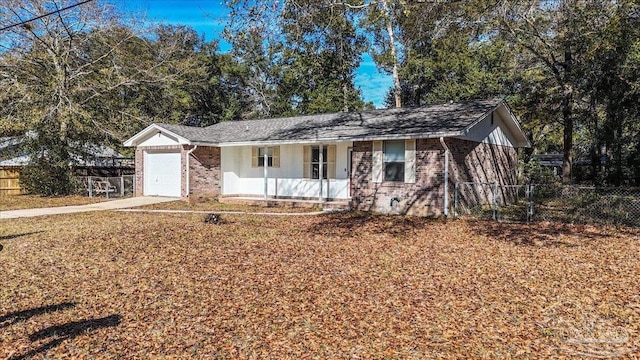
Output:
x,y
445,119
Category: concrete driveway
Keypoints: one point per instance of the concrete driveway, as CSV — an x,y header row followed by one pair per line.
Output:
x,y
106,205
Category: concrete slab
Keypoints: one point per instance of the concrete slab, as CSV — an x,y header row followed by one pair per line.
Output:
x,y
107,205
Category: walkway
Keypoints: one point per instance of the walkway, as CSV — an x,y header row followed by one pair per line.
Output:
x,y
106,205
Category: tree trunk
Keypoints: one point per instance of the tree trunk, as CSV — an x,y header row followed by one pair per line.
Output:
x,y
567,115
618,153
392,47
567,140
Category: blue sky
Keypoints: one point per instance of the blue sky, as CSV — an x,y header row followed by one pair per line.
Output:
x,y
209,17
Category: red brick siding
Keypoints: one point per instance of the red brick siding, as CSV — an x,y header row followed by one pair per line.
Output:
x,y
205,183
486,164
469,161
481,162
424,197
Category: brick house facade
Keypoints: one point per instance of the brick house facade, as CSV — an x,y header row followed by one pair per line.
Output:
x,y
338,157
469,162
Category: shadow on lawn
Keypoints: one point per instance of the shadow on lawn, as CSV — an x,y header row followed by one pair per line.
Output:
x,y
60,333
11,237
353,223
23,315
538,234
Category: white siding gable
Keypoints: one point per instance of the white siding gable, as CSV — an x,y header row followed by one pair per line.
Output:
x,y
486,132
159,139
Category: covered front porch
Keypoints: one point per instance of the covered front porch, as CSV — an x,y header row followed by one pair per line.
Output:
x,y
298,172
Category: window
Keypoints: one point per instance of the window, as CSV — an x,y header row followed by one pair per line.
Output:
x,y
273,156
393,154
315,162
394,161
311,162
261,157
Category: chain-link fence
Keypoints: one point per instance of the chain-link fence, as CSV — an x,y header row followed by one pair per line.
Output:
x,y
493,201
548,202
587,205
109,187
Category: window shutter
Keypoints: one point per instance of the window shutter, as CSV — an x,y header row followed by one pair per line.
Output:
x,y
254,157
377,162
306,162
410,161
331,162
276,156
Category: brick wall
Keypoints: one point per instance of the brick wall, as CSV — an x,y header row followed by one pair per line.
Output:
x,y
469,161
204,176
424,197
481,162
205,183
485,164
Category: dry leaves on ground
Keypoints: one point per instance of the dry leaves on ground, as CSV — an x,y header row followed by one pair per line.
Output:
x,y
214,206
109,285
17,202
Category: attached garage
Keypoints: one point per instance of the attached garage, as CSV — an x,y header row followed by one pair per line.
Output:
x,y
162,173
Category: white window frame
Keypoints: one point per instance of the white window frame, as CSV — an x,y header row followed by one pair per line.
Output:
x,y
399,163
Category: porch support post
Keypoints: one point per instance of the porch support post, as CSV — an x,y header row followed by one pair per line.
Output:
x,y
320,172
265,156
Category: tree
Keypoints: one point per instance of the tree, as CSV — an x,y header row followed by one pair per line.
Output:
x,y
301,55
558,36
320,52
80,77
49,68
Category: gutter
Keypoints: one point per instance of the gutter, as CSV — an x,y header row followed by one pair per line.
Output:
x,y
446,176
318,141
189,168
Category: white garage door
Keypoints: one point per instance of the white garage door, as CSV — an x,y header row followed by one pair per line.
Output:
x,y
162,173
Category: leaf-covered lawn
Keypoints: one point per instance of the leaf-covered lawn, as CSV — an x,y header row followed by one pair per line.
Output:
x,y
335,286
215,206
17,202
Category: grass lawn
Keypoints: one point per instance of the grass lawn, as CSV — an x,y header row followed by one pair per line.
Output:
x,y
140,285
17,202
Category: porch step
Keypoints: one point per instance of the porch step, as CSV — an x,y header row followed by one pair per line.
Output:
x,y
336,206
287,203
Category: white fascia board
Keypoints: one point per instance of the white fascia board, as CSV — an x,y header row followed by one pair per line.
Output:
x,y
526,143
204,143
282,142
341,140
151,129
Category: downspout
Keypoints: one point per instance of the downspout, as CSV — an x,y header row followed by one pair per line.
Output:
x,y
446,177
189,168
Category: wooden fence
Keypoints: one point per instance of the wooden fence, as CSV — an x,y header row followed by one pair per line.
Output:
x,y
10,181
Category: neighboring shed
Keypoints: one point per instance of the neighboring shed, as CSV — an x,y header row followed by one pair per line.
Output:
x,y
10,166
381,160
101,161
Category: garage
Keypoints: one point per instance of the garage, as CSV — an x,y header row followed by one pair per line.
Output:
x,y
162,173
